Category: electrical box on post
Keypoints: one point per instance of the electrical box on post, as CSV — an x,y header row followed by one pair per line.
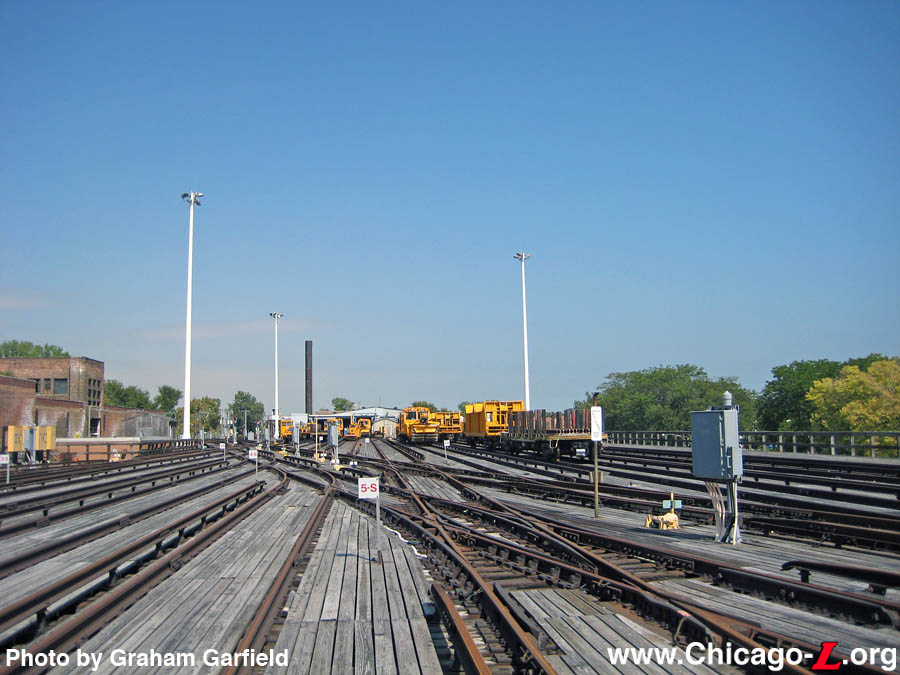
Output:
x,y
333,435
715,444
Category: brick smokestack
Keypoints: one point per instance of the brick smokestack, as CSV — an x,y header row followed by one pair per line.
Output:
x,y
309,401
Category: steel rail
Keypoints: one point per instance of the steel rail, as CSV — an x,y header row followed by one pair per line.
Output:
x,y
46,502
124,495
777,460
469,656
840,528
685,481
74,477
267,614
879,580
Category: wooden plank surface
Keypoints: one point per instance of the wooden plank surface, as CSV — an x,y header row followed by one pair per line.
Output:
x,y
366,619
209,601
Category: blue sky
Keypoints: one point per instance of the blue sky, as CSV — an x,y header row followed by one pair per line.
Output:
x,y
697,182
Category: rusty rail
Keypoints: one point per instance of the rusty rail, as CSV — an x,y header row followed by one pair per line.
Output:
x,y
257,633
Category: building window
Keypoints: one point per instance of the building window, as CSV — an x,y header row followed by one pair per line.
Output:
x,y
61,386
47,388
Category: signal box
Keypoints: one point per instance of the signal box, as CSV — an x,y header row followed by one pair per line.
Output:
x,y
716,444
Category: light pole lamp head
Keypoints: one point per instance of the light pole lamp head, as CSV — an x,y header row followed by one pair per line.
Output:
x,y
522,256
275,315
192,197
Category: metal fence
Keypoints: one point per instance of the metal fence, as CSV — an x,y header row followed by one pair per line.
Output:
x,y
851,443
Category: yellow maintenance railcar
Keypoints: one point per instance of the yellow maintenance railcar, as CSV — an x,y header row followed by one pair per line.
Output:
x,y
487,421
416,427
449,424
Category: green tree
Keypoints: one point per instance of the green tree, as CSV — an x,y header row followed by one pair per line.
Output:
x,y
255,409
166,399
340,404
16,349
205,414
858,400
462,406
116,393
424,404
783,404
662,398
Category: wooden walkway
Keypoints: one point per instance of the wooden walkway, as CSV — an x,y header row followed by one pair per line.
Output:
x,y
209,602
781,618
435,488
584,631
351,614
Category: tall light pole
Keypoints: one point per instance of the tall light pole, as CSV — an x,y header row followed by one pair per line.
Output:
x,y
523,257
276,316
192,198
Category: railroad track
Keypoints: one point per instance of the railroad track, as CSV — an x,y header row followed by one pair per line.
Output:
x,y
883,493
489,560
78,501
766,512
522,553
97,601
56,545
30,478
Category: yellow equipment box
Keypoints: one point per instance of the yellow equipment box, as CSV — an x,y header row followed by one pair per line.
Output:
x,y
45,438
14,439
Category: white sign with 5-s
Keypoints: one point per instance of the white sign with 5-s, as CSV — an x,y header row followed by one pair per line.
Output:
x,y
367,488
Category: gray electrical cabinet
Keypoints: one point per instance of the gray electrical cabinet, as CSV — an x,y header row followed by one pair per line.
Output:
x,y
715,444
333,435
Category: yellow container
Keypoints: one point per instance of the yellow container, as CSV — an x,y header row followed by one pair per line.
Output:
x,y
14,440
45,438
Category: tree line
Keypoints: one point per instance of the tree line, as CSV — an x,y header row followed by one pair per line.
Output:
x,y
859,394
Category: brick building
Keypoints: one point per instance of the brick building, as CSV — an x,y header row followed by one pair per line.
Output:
x,y
67,393
20,404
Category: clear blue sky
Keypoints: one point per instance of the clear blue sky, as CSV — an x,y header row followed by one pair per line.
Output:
x,y
697,182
